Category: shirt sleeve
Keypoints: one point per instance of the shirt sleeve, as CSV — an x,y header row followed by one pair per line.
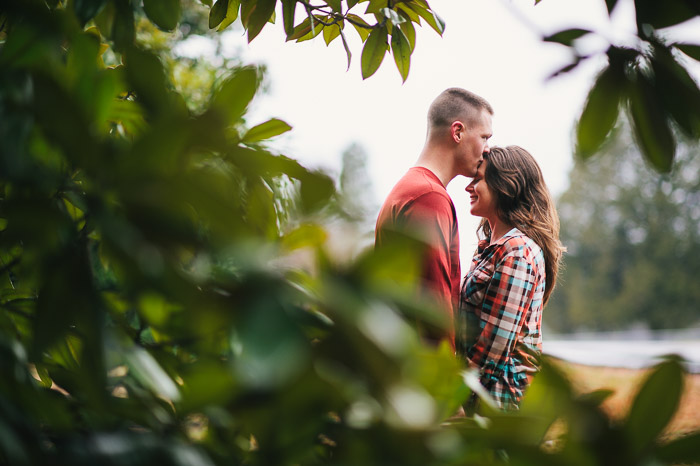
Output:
x,y
506,300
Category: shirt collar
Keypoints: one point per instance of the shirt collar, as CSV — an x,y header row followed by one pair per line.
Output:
x,y
484,243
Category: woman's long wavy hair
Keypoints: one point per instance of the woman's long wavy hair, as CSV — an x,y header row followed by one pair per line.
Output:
x,y
523,200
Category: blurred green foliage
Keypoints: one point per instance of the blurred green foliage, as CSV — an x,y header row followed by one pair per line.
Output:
x,y
153,304
648,81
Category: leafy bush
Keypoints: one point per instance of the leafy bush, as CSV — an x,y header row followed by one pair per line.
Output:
x,y
152,310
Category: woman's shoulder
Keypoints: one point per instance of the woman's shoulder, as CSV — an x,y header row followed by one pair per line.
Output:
x,y
517,242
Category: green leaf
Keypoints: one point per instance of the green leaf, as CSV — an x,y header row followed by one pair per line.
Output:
x,y
373,51
597,397
408,13
430,17
164,13
44,377
231,14
316,190
346,47
123,29
683,450
677,90
360,25
313,28
66,300
206,384
650,125
62,120
305,235
288,9
129,114
85,10
301,30
104,20
600,112
236,93
655,404
410,32
336,5
692,50
23,49
401,49
261,213
566,37
375,6
272,349
330,33
267,130
146,75
218,13
564,69
263,11
147,370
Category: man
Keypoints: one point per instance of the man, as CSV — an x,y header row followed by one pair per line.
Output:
x,y
459,126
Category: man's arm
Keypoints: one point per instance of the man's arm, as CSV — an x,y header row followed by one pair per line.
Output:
x,y
431,219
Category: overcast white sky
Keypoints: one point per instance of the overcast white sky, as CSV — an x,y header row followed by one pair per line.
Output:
x,y
491,47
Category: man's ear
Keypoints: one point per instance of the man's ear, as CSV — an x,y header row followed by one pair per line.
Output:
x,y
456,131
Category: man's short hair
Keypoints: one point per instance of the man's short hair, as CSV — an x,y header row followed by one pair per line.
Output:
x,y
456,104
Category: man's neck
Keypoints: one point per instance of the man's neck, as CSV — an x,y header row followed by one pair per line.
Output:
x,y
438,162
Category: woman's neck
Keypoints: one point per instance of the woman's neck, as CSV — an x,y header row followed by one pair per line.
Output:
x,y
498,229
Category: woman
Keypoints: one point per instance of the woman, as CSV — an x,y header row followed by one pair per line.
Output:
x,y
512,273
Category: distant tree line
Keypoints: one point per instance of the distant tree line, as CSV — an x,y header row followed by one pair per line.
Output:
x,y
633,239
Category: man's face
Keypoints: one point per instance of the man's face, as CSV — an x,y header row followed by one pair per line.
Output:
x,y
473,143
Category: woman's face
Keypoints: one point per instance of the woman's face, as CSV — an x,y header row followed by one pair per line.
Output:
x,y
482,199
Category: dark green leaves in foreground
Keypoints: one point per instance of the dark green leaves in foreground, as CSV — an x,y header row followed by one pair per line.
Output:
x,y
164,13
655,404
600,111
236,93
651,125
659,95
649,81
568,36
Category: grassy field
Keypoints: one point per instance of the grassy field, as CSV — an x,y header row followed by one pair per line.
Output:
x,y
625,383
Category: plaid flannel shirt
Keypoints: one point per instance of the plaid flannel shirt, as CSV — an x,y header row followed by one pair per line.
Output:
x,y
500,315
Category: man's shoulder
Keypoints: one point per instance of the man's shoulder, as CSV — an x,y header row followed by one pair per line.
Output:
x,y
419,182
